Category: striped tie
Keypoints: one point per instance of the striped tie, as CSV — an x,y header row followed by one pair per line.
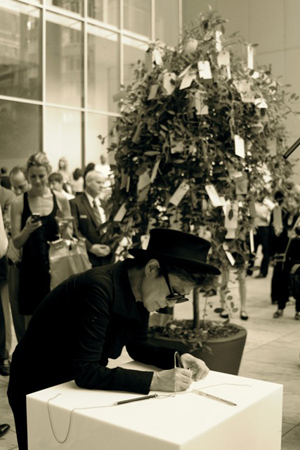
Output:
x,y
96,213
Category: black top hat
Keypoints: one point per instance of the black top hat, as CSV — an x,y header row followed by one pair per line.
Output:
x,y
178,248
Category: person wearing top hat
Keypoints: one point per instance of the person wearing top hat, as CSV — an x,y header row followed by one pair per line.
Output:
x,y
90,318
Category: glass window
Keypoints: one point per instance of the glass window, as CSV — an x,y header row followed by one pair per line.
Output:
x,y
167,21
134,51
20,126
20,50
64,62
105,10
98,124
137,16
63,136
103,69
71,5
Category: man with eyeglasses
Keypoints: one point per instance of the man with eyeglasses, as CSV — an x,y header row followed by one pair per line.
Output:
x,y
91,317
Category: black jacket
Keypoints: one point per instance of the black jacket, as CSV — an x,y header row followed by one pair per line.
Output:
x,y
79,325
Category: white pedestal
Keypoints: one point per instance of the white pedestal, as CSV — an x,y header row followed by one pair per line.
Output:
x,y
182,422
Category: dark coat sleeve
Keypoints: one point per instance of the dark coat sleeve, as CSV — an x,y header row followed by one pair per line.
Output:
x,y
94,322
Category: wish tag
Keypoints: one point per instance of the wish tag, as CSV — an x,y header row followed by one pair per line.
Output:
x,y
145,241
153,91
223,58
204,70
241,187
218,41
231,215
157,57
190,46
239,145
230,233
155,170
251,237
201,109
213,195
250,57
187,80
120,214
169,82
144,180
260,103
245,91
179,193
185,71
228,254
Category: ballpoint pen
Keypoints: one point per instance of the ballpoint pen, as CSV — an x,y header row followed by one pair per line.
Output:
x,y
213,397
178,360
135,399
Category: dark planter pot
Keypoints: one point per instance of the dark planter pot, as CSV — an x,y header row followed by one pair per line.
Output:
x,y
225,354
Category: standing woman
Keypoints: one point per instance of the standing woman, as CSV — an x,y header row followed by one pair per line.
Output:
x,y
34,223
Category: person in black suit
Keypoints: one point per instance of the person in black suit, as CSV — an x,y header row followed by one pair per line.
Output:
x,y
89,213
90,317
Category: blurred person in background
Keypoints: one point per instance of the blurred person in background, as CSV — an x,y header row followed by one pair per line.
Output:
x,y
89,214
34,223
56,183
63,169
77,181
19,185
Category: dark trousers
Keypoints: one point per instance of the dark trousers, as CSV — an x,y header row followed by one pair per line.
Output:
x,y
261,238
280,285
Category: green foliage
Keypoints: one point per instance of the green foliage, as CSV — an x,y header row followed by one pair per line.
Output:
x,y
166,131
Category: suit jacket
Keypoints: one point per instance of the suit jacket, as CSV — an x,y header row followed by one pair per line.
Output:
x,y
85,226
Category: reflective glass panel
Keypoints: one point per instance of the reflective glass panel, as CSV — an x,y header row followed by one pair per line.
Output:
x,y
20,50
20,126
105,10
103,69
63,137
137,16
71,5
64,62
166,21
98,124
134,51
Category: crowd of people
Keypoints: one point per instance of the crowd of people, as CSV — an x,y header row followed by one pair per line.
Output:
x,y
38,205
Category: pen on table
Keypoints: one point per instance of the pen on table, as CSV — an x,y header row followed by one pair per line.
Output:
x,y
136,399
214,397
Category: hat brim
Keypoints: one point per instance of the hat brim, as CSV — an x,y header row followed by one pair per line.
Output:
x,y
198,266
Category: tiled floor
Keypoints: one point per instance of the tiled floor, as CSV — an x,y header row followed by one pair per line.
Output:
x,y
271,354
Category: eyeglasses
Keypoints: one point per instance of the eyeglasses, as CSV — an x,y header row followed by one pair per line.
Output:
x,y
173,296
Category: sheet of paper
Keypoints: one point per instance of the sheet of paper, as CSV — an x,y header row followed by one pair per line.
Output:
x,y
218,41
250,57
213,195
179,193
169,82
144,180
153,91
155,170
120,214
145,241
239,145
204,70
187,80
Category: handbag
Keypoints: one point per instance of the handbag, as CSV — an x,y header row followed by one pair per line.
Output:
x,y
66,258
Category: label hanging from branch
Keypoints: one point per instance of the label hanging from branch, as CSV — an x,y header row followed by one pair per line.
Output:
x,y
231,214
169,82
218,41
228,254
244,89
187,80
155,170
179,193
153,91
145,241
250,57
213,195
239,145
241,187
201,109
144,180
120,214
251,236
204,70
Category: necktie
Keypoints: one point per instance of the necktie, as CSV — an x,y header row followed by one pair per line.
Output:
x,y
96,213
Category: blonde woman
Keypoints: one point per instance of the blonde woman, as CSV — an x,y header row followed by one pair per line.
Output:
x,y
34,223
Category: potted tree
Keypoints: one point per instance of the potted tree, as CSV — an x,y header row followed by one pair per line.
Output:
x,y
200,133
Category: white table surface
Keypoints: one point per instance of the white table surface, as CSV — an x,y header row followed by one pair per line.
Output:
x,y
185,421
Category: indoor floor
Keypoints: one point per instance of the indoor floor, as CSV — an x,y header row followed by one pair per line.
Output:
x,y
271,354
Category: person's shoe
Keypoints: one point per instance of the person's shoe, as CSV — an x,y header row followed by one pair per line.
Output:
x,y
5,368
260,275
278,313
224,315
4,429
297,316
244,315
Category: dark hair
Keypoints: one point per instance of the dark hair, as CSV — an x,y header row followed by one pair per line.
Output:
x,y
77,174
89,168
55,176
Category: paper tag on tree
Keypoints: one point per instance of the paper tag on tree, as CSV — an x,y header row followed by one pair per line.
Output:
x,y
228,254
204,70
251,237
187,80
201,109
239,145
153,91
250,57
245,91
157,57
169,82
260,103
155,169
218,41
179,193
145,241
120,214
213,195
230,233
144,180
241,187
185,71
231,215
190,46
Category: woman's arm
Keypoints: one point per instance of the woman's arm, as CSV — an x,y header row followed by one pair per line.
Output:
x,y
3,237
19,236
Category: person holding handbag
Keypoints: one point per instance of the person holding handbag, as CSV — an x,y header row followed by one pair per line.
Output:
x,y
34,223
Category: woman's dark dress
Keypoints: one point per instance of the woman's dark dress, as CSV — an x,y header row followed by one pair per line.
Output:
x,y
34,270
